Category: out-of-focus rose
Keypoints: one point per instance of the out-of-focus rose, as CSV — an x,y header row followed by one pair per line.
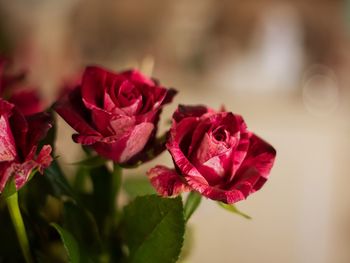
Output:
x,y
115,113
14,89
215,155
19,138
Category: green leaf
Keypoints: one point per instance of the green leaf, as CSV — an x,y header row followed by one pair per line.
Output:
x,y
233,209
91,162
10,188
153,229
83,227
192,202
136,186
58,181
69,243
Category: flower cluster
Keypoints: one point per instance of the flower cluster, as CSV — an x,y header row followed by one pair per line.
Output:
x,y
116,118
214,153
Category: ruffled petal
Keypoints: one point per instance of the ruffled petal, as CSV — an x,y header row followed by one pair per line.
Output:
x,y
166,181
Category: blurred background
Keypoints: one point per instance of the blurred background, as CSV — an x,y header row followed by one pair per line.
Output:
x,y
283,65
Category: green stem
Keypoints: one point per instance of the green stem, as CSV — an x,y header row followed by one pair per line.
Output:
x,y
117,181
15,213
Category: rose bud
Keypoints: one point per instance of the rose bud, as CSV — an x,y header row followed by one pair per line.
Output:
x,y
115,113
215,155
19,138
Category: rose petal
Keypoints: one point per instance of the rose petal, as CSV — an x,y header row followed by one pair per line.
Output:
x,y
38,126
137,140
7,142
28,101
260,155
185,111
73,111
136,76
166,181
44,158
121,149
93,86
215,193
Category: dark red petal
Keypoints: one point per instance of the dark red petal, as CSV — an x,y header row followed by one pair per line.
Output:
x,y
86,139
28,101
93,85
38,126
136,76
166,181
73,111
185,111
5,107
256,167
260,155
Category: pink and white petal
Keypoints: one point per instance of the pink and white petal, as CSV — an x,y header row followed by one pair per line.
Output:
x,y
240,152
215,193
4,175
121,125
137,140
166,181
121,149
215,170
187,169
7,142
44,158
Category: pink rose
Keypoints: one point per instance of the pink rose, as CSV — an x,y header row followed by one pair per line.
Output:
x,y
215,155
115,113
19,138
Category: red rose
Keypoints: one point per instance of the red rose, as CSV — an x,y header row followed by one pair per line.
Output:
x,y
115,113
214,154
19,138
13,88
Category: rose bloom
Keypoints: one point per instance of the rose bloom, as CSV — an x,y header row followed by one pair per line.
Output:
x,y
19,138
115,113
215,155
13,88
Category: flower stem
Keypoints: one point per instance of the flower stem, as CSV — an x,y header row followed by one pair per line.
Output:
x,y
17,220
116,184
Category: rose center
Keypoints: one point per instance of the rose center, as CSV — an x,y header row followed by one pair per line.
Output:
x,y
220,134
